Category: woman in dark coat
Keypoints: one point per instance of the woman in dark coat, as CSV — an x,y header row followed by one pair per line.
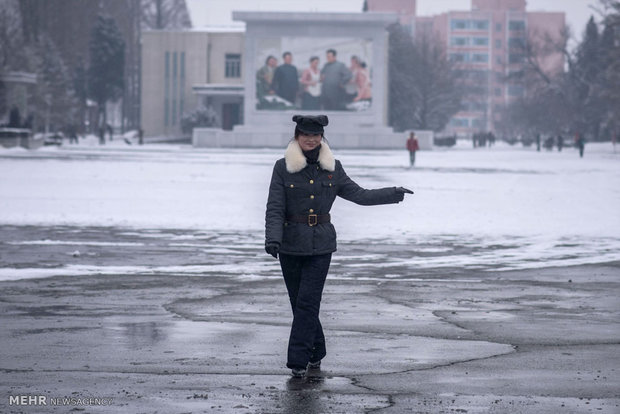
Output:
x,y
303,188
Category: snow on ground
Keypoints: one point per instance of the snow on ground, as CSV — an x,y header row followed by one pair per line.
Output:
x,y
515,207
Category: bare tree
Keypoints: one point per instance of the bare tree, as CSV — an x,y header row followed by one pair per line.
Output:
x,y
165,14
424,92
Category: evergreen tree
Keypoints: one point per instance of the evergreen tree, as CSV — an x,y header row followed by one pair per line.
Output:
x,y
107,60
11,36
586,76
609,80
56,99
80,87
12,48
401,94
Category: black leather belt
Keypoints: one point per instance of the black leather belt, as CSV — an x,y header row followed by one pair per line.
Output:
x,y
310,219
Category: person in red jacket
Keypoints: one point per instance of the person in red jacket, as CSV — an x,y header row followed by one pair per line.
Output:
x,y
412,146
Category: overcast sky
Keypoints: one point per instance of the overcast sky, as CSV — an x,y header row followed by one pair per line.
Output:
x,y
218,12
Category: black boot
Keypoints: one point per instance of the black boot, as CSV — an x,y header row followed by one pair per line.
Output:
x,y
298,372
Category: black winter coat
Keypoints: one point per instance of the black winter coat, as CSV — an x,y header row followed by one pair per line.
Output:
x,y
299,188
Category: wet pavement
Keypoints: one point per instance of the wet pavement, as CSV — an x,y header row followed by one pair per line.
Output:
x,y
175,321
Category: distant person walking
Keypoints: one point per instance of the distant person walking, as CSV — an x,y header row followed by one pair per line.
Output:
x,y
72,132
110,130
491,138
538,142
298,229
581,143
560,142
101,135
412,147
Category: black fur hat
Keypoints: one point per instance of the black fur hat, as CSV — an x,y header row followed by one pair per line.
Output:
x,y
311,124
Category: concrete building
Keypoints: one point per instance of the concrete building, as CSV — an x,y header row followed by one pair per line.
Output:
x,y
217,68
486,45
182,70
363,125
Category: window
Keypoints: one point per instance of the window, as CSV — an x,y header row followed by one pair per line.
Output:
x,y
167,89
480,25
477,90
174,88
515,58
516,42
459,122
477,123
459,24
478,75
182,86
515,90
480,41
459,57
498,27
473,106
498,92
459,41
498,43
233,65
515,25
498,60
480,57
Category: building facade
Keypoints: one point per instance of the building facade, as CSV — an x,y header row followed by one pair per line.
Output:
x,y
336,41
486,44
185,69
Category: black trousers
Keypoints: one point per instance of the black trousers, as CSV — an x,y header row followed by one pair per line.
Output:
x,y
305,277
411,157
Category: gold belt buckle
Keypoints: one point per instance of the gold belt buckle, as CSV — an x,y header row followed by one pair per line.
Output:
x,y
312,220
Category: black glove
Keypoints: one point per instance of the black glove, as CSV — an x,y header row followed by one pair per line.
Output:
x,y
400,192
272,248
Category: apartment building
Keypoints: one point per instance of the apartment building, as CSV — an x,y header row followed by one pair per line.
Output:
x,y
486,44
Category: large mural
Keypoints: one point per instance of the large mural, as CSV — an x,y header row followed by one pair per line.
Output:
x,y
322,74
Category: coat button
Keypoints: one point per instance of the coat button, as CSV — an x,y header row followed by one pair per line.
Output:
x,y
311,181
292,186
330,184
311,211
312,196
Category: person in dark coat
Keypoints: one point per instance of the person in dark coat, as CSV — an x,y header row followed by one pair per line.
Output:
x,y
580,141
334,78
298,230
286,79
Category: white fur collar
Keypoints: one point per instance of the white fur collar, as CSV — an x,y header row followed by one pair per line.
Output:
x,y
296,160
